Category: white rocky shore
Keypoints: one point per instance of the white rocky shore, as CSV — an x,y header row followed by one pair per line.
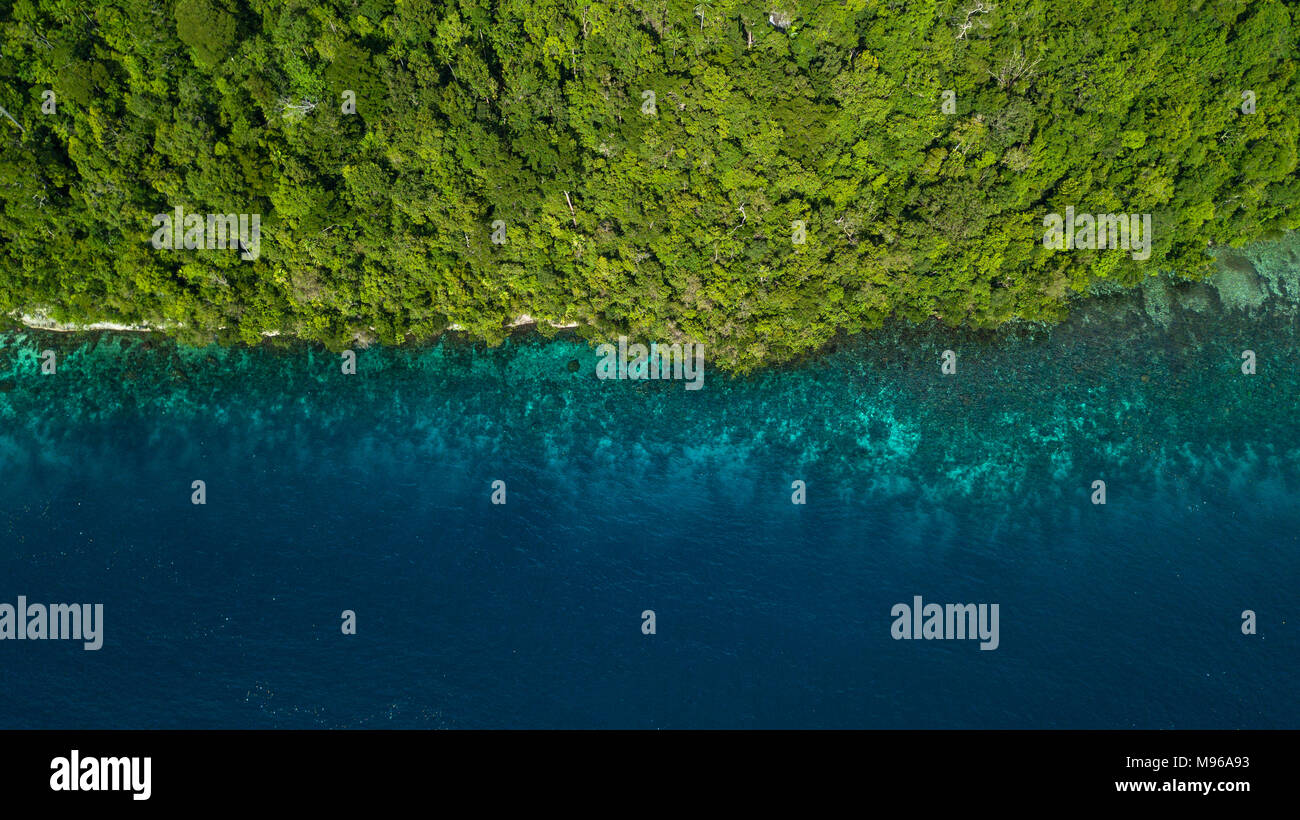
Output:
x,y
521,320
40,321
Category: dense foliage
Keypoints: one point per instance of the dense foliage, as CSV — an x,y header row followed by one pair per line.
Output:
x,y
666,222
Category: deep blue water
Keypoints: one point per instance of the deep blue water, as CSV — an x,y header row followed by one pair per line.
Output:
x,y
372,493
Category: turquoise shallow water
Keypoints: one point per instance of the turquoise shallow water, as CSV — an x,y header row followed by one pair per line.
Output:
x,y
372,493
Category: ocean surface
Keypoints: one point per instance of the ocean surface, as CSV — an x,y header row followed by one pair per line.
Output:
x,y
373,492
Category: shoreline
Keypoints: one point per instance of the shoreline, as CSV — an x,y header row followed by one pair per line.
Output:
x,y
38,320
1260,275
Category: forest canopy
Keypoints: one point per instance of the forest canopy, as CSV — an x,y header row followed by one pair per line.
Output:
x,y
756,177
